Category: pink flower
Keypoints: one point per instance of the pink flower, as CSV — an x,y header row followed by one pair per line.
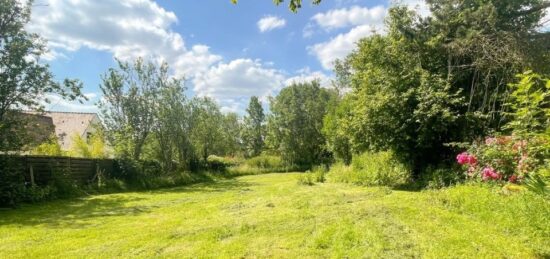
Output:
x,y
513,178
490,173
462,158
465,158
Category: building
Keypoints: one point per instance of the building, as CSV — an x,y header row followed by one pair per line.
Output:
x,y
69,124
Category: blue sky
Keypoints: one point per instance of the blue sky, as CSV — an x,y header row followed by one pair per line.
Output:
x,y
225,51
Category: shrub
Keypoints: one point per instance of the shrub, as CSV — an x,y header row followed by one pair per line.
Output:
x,y
306,178
262,164
503,158
372,169
439,177
266,162
217,163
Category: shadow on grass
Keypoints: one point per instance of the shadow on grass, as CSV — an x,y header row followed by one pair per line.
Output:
x,y
79,213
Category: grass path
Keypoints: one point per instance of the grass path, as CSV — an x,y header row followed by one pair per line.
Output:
x,y
258,216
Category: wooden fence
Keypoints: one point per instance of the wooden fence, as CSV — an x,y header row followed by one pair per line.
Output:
x,y
41,170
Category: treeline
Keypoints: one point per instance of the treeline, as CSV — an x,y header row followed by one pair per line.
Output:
x,y
148,116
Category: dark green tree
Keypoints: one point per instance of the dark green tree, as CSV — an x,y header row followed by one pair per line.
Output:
x,y
296,122
254,127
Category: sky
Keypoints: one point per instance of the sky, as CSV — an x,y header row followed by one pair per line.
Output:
x,y
225,51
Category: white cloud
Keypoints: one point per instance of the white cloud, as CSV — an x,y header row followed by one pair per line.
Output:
x,y
232,84
270,22
340,46
353,16
305,75
126,28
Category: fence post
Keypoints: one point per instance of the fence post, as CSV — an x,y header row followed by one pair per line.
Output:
x,y
32,175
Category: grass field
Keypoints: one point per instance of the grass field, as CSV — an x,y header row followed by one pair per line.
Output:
x,y
272,216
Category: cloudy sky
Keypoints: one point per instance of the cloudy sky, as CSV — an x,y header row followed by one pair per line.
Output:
x,y
225,51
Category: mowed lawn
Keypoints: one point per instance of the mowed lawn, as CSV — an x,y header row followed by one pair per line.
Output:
x,y
266,216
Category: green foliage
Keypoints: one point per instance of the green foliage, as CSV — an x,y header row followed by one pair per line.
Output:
x,y
439,177
539,182
530,106
92,148
129,100
432,81
217,163
527,150
306,178
316,175
207,133
336,128
49,148
262,164
254,128
296,121
372,169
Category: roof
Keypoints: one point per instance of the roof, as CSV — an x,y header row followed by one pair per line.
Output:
x,y
69,123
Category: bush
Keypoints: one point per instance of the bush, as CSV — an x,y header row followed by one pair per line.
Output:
x,y
306,178
372,169
217,163
262,164
439,177
317,175
504,158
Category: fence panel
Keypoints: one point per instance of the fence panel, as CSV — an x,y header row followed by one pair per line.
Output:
x,y
44,169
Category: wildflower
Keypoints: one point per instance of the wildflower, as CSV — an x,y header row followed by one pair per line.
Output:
x,y
513,178
462,158
490,173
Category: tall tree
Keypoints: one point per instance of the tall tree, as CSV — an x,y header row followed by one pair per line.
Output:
x,y
207,131
296,122
254,128
24,81
232,134
173,128
129,107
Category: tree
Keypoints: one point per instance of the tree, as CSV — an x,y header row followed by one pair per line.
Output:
x,y
296,122
24,80
293,5
173,128
207,131
232,134
130,101
254,128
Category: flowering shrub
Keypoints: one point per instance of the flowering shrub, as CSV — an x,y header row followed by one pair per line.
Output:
x,y
503,158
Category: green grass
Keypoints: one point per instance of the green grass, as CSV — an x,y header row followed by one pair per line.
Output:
x,y
273,216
